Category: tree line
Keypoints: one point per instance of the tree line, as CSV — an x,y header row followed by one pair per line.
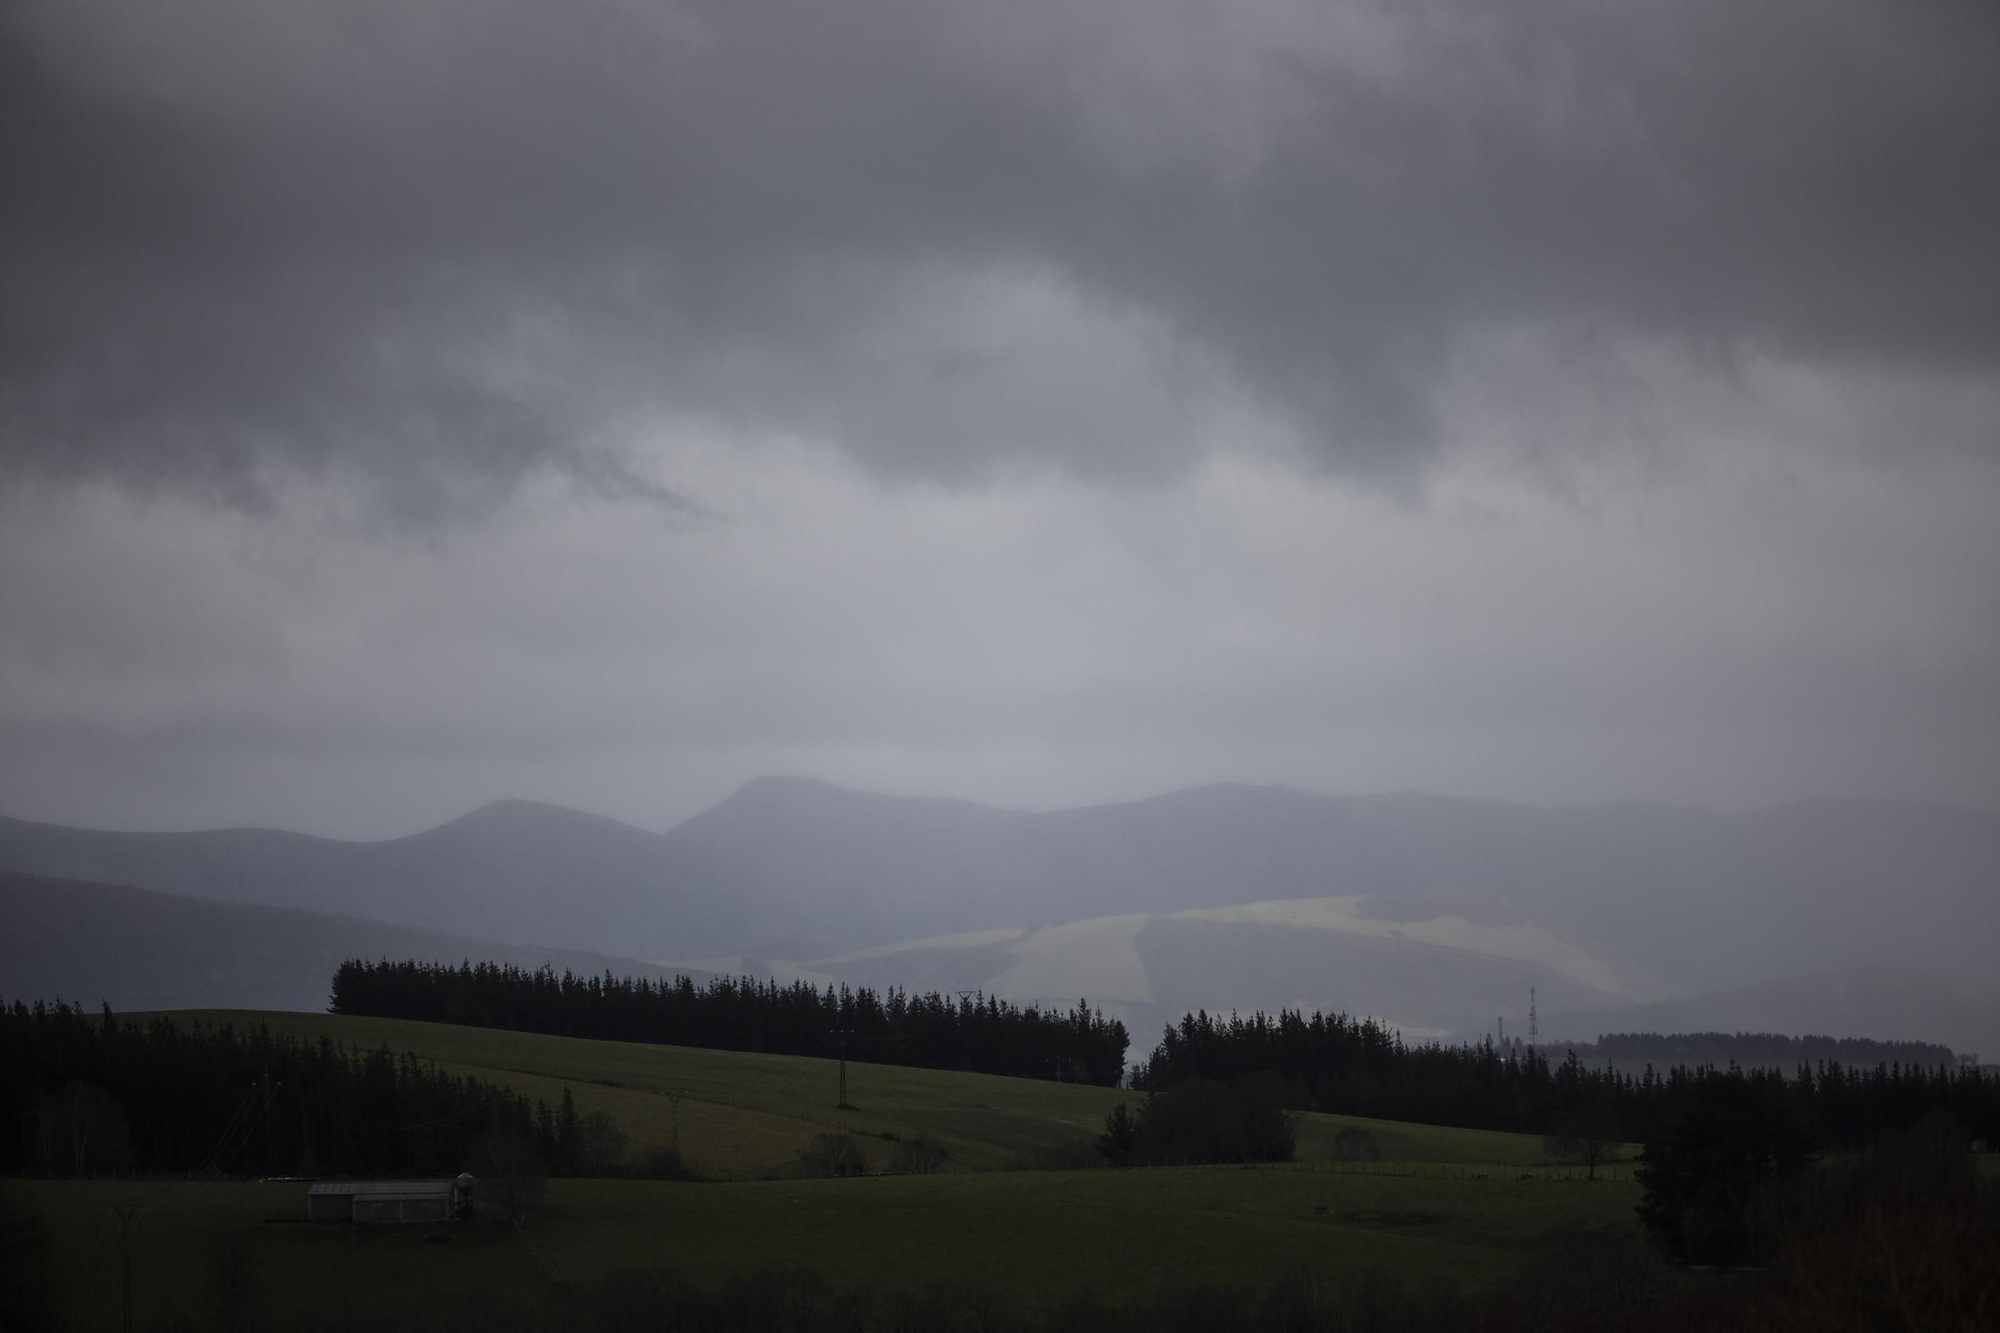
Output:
x,y
1199,1121
931,1030
1355,1066
1756,1048
84,1094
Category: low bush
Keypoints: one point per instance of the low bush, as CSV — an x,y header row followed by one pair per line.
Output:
x,y
661,1164
919,1157
833,1154
1076,1154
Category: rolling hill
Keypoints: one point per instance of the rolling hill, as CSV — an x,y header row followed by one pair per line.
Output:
x,y
1429,967
743,1115
515,871
135,949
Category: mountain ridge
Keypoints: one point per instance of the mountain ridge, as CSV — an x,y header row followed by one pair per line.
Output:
x,y
1668,900
139,949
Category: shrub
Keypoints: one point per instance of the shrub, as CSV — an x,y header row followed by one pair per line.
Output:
x,y
601,1144
511,1174
662,1164
1202,1121
919,1157
833,1154
1075,1154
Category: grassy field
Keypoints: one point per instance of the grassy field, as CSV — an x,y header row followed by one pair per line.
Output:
x,y
744,1116
1459,1207
1039,1235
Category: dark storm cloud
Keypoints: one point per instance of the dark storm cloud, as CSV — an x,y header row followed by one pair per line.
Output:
x,y
441,246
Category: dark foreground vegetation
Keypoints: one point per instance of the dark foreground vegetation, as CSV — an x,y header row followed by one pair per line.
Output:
x,y
931,1031
90,1095
1198,1121
1898,1238
1357,1067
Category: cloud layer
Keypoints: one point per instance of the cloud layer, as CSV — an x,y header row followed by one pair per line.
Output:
x,y
402,406
442,248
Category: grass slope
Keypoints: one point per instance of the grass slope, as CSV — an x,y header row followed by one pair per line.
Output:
x,y
745,1115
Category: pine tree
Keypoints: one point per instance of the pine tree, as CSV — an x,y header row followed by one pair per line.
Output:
x,y
569,1137
545,1131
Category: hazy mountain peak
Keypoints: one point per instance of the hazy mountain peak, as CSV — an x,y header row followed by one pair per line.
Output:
x,y
789,796
516,812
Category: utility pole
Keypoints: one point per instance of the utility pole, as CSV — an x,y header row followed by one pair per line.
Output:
x,y
843,1034
270,1090
308,1165
126,1212
675,1097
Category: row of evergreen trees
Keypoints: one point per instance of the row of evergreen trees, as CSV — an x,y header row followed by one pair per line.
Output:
x,y
1356,1066
84,1094
1757,1048
931,1030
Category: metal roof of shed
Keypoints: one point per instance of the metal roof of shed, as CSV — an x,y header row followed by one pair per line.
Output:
x,y
384,1189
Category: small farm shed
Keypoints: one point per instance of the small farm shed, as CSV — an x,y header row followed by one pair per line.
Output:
x,y
379,1201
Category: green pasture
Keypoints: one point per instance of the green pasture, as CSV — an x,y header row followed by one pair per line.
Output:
x,y
744,1116
1034,1235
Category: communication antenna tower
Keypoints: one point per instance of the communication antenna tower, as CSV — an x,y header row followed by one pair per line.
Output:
x,y
1534,1020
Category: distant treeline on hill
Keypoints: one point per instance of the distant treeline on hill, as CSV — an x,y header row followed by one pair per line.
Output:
x,y
931,1031
1358,1067
1771,1049
91,1094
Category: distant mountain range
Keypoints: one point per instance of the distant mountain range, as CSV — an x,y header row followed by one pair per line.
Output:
x,y
133,949
1434,912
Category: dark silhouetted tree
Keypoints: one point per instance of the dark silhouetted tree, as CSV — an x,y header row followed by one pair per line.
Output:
x,y
569,1154
1203,1121
1120,1136
604,1144
510,1173
1710,1180
1586,1132
79,1130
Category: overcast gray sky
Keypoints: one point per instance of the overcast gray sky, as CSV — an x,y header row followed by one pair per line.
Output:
x,y
406,405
